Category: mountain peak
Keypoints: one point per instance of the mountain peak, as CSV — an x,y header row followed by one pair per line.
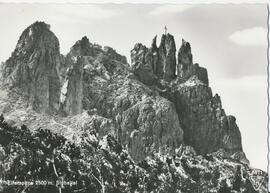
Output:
x,y
160,118
185,43
154,43
167,41
33,67
36,30
40,25
84,47
84,41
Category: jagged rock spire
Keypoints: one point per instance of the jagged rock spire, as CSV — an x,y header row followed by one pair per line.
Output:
x,y
161,61
154,44
142,63
82,47
184,58
154,54
33,67
185,66
167,61
155,61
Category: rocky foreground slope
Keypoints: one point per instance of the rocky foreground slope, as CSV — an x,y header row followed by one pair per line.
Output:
x,y
90,117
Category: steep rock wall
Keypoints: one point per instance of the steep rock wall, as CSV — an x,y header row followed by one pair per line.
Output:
x,y
72,88
206,126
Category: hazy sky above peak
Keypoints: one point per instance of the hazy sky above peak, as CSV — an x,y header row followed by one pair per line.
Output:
x,y
229,40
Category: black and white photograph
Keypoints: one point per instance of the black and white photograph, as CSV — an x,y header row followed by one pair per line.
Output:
x,y
134,97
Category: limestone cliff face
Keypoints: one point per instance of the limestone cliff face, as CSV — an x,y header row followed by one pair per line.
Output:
x,y
206,126
145,123
33,68
150,126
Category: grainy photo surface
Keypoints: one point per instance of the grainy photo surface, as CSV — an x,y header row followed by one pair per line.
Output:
x,y
125,98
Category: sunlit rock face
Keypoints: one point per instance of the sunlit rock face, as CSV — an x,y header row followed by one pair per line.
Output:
x,y
33,68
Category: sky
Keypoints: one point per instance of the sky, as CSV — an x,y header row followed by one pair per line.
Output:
x,y
229,40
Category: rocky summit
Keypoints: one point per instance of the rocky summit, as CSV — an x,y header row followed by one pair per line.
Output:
x,y
90,117
33,67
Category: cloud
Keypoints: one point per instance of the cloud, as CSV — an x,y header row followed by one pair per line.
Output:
x,y
167,9
256,36
87,11
60,13
78,13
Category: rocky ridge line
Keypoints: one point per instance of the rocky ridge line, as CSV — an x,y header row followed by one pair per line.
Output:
x,y
154,105
205,125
